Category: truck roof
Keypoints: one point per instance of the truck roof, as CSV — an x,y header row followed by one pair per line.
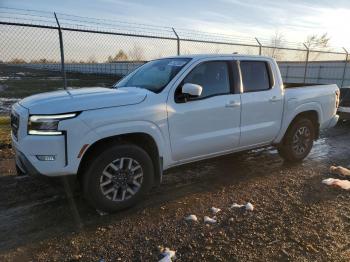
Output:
x,y
200,56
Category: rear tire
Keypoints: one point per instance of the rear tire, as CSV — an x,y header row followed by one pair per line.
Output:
x,y
118,177
298,140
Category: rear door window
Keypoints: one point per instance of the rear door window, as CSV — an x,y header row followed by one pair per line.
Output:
x,y
255,76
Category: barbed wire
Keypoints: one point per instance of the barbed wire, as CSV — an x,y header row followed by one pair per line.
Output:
x,y
37,17
97,50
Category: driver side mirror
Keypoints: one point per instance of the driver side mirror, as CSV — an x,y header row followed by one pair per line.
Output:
x,y
192,90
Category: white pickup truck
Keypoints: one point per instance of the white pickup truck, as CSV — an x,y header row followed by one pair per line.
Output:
x,y
170,111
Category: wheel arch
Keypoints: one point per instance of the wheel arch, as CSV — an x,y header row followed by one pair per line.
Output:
x,y
313,115
143,140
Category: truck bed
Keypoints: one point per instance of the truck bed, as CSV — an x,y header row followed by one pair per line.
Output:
x,y
322,97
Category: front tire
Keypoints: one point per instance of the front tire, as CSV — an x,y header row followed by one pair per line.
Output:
x,y
298,140
118,177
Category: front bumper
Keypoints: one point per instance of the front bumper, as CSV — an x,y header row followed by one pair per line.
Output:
x,y
28,149
24,167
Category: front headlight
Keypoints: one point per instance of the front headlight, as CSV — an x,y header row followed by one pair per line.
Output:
x,y
47,124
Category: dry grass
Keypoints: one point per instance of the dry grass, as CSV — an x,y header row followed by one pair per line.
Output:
x,y
5,138
4,120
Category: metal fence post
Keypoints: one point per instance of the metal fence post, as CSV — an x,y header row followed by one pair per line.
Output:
x,y
62,53
319,74
178,41
306,62
345,66
260,45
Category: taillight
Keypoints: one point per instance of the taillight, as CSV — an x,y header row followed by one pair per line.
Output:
x,y
337,98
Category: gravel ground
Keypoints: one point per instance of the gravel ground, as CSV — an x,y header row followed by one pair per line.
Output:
x,y
296,218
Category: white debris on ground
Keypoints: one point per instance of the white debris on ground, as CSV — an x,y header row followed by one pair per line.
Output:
x,y
168,255
101,213
210,220
215,210
249,206
339,170
235,205
344,184
191,218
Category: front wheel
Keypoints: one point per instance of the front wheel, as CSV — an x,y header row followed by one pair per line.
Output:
x,y
298,140
118,177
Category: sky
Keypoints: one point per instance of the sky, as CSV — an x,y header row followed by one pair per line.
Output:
x,y
246,19
294,19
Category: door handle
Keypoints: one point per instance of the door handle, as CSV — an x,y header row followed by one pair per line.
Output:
x,y
274,99
233,104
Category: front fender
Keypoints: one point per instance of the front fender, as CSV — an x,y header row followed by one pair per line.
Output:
x,y
292,110
128,127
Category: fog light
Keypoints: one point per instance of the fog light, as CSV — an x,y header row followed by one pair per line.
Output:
x,y
46,158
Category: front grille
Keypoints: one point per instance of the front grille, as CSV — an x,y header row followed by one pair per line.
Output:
x,y
14,124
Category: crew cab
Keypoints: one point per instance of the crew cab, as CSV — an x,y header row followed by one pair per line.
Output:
x,y
171,111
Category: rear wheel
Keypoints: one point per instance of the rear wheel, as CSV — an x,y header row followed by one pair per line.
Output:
x,y
118,177
298,141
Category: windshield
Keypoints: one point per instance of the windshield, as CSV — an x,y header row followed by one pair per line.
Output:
x,y
154,75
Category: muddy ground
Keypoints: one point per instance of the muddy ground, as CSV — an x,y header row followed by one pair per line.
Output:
x,y
18,82
296,218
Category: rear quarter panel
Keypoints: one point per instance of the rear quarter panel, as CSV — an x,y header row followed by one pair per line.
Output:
x,y
320,98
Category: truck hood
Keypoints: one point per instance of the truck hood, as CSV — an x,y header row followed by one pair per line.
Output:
x,y
74,100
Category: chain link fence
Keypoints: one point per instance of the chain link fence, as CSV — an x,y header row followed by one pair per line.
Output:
x,y
41,51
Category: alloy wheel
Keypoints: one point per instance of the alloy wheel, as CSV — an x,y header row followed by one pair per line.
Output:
x,y
301,140
121,179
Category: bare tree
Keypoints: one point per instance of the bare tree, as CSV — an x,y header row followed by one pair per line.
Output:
x,y
318,41
120,56
91,60
17,61
137,54
42,61
276,41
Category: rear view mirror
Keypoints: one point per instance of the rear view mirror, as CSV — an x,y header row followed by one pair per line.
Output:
x,y
193,90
